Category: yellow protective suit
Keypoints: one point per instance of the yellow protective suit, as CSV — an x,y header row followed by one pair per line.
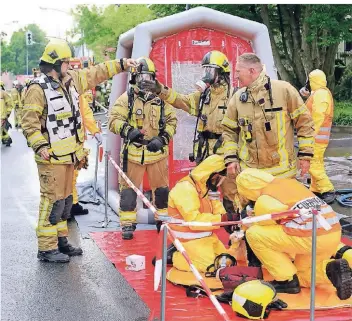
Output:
x,y
275,244
145,114
55,205
187,201
259,134
321,105
17,105
89,124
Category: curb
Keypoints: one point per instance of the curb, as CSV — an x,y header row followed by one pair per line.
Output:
x,y
341,129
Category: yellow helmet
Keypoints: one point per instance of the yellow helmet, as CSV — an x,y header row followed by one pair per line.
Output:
x,y
344,252
216,59
56,50
27,81
250,299
145,65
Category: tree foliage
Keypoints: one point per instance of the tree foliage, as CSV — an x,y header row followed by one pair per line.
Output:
x,y
100,28
14,53
303,37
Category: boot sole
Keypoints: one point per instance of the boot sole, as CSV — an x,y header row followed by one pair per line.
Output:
x,y
343,281
74,254
55,261
289,291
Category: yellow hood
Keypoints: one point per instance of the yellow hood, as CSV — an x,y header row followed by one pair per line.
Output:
x,y
251,181
317,79
213,164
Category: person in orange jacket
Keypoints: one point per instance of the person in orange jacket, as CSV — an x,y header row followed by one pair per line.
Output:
x,y
275,244
321,105
89,124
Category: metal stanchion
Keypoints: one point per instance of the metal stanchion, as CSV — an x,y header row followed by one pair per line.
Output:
x,y
106,220
313,271
96,175
163,276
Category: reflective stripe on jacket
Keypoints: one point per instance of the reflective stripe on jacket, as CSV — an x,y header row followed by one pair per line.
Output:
x,y
184,233
323,134
296,196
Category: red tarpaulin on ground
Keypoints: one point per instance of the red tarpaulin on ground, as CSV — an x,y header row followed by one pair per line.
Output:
x,y
178,306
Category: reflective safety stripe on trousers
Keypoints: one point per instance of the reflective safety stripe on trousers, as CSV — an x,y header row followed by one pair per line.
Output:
x,y
190,235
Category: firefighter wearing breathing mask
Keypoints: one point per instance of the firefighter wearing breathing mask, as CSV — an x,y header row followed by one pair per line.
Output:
x,y
260,121
321,105
6,105
52,124
208,104
147,124
195,198
276,242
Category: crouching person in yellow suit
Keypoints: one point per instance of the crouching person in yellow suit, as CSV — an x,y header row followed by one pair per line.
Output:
x,y
274,244
89,124
192,200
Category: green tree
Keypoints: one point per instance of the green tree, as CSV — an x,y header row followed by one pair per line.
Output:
x,y
14,54
303,37
100,28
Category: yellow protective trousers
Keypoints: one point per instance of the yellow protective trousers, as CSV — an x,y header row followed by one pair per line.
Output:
x,y
274,248
202,253
158,177
18,116
320,181
74,189
55,204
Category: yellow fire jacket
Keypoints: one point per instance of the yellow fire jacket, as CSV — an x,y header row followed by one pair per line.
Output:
x,y
213,111
6,104
36,109
145,115
260,134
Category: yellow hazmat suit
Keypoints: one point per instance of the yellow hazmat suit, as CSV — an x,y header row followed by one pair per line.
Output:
x,y
321,105
89,124
17,105
258,130
275,244
189,201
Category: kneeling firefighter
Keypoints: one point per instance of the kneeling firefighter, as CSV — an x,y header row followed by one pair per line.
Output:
x,y
209,105
6,104
147,124
195,199
273,243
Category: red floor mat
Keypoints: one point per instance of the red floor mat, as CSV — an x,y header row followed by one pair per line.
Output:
x,y
178,306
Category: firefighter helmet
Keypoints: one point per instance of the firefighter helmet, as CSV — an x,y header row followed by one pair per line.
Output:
x,y
55,51
216,59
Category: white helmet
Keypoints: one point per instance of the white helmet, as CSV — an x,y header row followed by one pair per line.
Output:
x,y
15,83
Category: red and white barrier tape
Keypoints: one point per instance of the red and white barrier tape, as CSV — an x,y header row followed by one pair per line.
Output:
x,y
198,276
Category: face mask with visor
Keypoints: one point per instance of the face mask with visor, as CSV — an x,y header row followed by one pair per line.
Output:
x,y
210,74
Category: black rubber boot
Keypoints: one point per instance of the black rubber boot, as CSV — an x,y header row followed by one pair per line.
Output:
x,y
328,197
67,248
170,252
127,232
77,209
340,275
290,287
53,256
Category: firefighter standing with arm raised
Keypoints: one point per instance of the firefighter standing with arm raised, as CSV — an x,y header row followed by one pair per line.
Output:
x,y
147,124
52,124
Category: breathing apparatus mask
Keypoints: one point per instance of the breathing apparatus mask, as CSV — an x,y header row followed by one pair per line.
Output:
x,y
210,76
212,184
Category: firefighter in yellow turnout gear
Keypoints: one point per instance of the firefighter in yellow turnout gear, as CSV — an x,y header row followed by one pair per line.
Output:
x,y
321,105
209,105
89,124
260,121
275,244
195,199
147,124
16,97
52,124
6,105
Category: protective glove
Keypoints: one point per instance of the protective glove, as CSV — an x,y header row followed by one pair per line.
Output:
x,y
134,135
99,138
153,86
155,144
230,217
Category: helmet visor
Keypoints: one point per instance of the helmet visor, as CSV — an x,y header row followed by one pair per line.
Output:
x,y
209,74
144,76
